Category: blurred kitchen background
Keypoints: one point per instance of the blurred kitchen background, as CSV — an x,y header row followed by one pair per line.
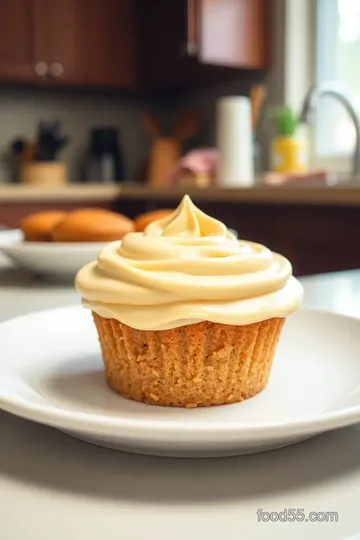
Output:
x,y
251,106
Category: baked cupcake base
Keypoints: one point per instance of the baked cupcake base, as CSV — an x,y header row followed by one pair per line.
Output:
x,y
197,365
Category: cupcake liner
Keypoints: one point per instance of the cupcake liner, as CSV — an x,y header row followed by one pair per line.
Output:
x,y
196,365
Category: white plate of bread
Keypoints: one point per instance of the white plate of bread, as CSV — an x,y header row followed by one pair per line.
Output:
x,y
57,244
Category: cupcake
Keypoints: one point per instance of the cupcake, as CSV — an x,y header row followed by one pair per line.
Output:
x,y
143,220
187,314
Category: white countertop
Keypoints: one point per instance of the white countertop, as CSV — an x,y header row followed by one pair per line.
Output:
x,y
65,489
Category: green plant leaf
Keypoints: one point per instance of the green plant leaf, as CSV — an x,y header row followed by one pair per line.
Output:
x,y
286,121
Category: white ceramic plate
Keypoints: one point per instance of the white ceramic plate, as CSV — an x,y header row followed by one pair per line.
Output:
x,y
9,236
51,372
53,260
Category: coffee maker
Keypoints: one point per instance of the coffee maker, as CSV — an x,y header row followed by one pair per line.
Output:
x,y
104,161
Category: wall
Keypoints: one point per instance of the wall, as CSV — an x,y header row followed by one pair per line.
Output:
x,y
299,47
204,101
21,110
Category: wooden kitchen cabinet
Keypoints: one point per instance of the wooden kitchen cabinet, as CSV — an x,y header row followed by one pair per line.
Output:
x,y
56,41
233,33
188,41
18,45
131,44
69,42
105,44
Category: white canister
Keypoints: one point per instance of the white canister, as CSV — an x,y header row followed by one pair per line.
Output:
x,y
235,142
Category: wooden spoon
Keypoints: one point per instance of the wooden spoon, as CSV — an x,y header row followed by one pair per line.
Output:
x,y
257,97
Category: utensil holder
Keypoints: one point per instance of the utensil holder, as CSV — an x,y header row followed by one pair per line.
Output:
x,y
163,156
45,174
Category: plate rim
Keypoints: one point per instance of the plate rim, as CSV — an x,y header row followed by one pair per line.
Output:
x,y
21,246
146,429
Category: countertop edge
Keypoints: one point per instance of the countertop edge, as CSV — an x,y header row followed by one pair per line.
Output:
x,y
339,195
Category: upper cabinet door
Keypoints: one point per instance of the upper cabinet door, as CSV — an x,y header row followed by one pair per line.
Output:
x,y
231,33
18,55
56,38
87,42
189,42
105,42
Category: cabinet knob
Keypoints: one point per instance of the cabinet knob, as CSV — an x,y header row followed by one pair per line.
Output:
x,y
189,49
56,70
41,69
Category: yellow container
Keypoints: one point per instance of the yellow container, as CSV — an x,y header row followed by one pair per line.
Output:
x,y
288,155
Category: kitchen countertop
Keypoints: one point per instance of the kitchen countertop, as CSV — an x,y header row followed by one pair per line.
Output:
x,y
71,193
67,489
343,194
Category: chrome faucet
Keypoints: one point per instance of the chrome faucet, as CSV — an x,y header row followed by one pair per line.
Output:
x,y
334,90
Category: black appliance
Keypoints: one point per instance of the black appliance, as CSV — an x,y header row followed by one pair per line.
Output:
x,y
104,161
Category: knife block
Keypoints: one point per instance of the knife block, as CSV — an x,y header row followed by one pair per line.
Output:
x,y
46,173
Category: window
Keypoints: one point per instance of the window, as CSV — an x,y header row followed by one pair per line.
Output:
x,y
337,59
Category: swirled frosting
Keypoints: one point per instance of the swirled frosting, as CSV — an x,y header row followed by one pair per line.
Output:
x,y
184,269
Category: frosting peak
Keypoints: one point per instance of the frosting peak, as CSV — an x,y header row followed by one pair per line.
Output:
x,y
188,221
187,268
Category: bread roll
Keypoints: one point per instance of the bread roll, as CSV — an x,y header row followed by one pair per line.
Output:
x,y
38,227
92,225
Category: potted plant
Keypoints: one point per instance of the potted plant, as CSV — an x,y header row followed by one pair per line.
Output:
x,y
288,151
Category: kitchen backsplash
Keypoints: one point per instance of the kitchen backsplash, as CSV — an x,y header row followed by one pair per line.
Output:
x,y
21,110
204,101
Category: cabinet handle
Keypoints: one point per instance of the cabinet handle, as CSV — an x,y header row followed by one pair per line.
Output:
x,y
56,70
41,69
192,40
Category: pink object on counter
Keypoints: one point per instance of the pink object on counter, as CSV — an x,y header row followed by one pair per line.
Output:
x,y
201,162
277,178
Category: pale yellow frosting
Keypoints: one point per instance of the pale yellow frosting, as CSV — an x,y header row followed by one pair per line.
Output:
x,y
184,269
